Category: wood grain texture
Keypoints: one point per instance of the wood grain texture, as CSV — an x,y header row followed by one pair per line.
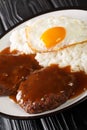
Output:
x,y
13,12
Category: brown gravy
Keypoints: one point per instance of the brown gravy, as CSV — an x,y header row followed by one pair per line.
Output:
x,y
53,80
14,69
49,80
7,51
9,62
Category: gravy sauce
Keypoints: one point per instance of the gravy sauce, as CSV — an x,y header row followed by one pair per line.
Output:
x,y
53,80
8,63
14,69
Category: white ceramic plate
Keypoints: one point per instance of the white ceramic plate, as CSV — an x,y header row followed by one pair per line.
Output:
x,y
11,109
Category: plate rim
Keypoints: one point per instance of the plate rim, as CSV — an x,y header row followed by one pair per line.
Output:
x,y
57,111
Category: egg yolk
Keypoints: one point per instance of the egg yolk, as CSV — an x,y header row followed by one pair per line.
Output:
x,y
53,36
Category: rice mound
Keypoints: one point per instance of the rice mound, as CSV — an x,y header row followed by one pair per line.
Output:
x,y
74,56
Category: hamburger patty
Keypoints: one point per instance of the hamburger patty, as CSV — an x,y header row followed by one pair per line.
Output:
x,y
13,70
45,89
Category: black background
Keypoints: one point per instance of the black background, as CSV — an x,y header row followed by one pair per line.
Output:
x,y
13,12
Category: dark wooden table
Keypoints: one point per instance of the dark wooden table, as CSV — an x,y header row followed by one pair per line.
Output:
x,y
13,12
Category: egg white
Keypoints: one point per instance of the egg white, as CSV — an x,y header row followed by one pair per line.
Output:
x,y
76,31
18,42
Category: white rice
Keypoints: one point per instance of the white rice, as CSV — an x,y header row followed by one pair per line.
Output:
x,y
74,56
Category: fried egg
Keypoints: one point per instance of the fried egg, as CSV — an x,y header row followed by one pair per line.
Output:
x,y
54,32
18,42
